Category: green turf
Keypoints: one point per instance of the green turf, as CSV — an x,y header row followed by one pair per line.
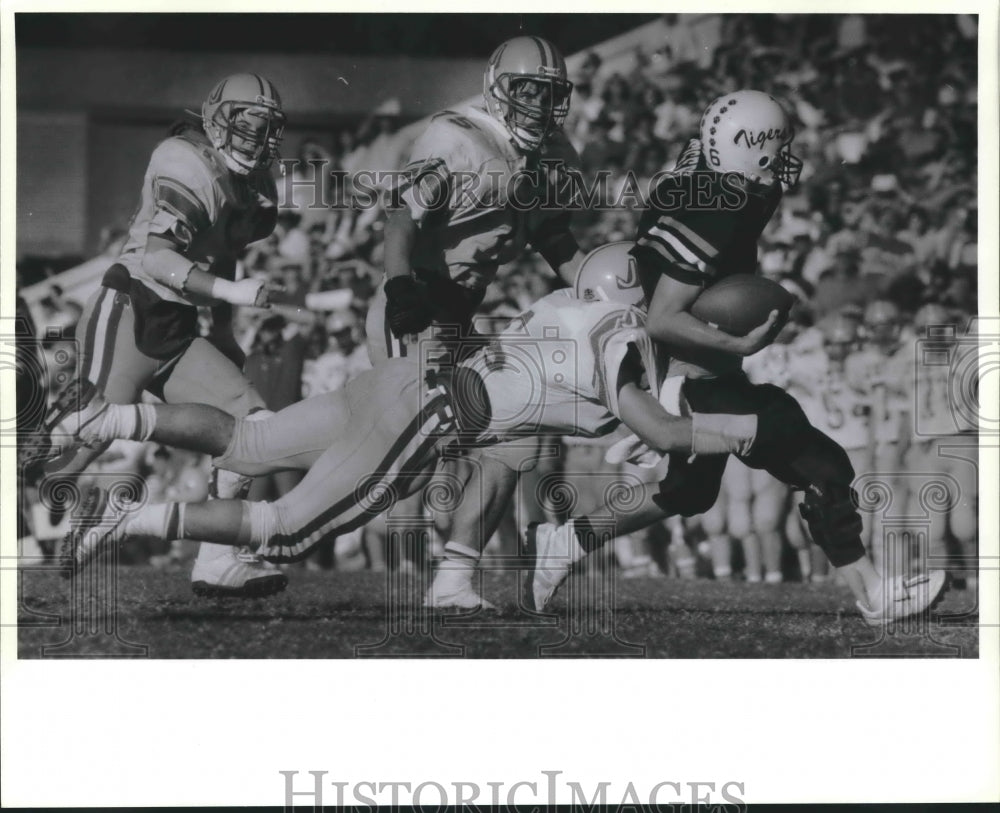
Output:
x,y
342,615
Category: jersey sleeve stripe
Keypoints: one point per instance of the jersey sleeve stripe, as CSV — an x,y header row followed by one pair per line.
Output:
x,y
691,237
681,246
181,201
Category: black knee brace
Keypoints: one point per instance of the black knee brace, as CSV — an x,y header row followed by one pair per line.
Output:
x,y
834,523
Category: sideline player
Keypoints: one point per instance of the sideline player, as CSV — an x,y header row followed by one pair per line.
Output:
x,y
206,194
740,163
566,366
482,183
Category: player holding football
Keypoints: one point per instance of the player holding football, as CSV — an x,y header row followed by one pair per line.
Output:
x,y
206,194
566,367
702,225
466,203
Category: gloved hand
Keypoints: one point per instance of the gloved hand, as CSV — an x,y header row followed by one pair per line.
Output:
x,y
407,308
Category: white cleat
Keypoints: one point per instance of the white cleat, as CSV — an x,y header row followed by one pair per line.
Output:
x,y
902,597
550,548
78,412
95,524
236,573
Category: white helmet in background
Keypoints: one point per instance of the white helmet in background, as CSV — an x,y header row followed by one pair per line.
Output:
x,y
609,274
751,133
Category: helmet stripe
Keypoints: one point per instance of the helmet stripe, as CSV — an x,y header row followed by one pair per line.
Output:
x,y
542,57
263,91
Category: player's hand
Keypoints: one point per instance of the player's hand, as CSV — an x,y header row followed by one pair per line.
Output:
x,y
407,308
252,293
762,335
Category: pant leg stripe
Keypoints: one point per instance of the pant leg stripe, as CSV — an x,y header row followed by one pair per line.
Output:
x,y
425,427
91,348
110,339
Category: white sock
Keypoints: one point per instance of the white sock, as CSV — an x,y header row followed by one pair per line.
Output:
x,y
127,421
459,557
160,521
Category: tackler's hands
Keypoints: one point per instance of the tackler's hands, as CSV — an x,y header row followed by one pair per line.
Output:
x,y
250,292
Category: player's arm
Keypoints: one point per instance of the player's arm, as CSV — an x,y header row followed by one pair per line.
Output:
x,y
670,321
557,245
165,263
654,426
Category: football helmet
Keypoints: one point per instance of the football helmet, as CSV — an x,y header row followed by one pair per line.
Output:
x,y
527,90
882,324
244,121
609,274
749,132
840,336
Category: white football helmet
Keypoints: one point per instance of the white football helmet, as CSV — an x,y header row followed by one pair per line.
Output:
x,y
609,274
527,90
749,132
244,121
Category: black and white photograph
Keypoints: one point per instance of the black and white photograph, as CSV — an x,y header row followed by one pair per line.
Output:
x,y
340,340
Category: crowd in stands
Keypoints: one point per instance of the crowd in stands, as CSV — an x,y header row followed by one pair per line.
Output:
x,y
886,113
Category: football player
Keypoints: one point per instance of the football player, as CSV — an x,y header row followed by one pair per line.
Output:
x,y
206,194
482,183
702,224
564,367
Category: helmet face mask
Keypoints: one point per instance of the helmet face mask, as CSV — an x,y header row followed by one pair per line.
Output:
x,y
244,121
882,325
748,132
526,89
840,337
609,274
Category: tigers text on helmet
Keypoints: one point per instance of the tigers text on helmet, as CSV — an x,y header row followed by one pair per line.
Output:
x,y
609,274
526,89
749,132
244,121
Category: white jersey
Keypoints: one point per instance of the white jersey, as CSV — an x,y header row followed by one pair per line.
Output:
x,y
209,213
460,184
555,368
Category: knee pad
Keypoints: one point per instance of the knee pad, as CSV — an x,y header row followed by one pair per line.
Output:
x,y
228,485
834,522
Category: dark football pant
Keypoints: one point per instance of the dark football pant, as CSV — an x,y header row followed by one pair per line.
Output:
x,y
787,446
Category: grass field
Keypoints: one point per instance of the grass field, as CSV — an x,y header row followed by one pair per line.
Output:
x,y
345,615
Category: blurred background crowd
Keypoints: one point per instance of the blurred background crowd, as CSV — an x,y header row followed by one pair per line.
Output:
x,y
886,113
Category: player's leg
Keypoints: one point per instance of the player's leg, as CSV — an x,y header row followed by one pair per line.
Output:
x,y
963,519
714,522
770,498
109,360
379,455
689,488
488,483
204,374
797,453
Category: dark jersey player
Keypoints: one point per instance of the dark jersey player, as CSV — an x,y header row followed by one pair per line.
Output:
x,y
702,225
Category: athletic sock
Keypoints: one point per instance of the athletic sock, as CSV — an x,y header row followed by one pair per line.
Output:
x,y
128,421
160,521
460,557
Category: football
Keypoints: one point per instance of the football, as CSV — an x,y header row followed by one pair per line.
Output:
x,y
737,304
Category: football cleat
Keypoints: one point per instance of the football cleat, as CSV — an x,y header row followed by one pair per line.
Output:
x,y
236,573
550,549
902,597
81,410
77,399
95,523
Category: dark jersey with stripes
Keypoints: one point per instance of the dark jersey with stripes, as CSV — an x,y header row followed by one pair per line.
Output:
x,y
701,225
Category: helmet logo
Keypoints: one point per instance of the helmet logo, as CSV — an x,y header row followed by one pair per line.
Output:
x,y
631,278
758,138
